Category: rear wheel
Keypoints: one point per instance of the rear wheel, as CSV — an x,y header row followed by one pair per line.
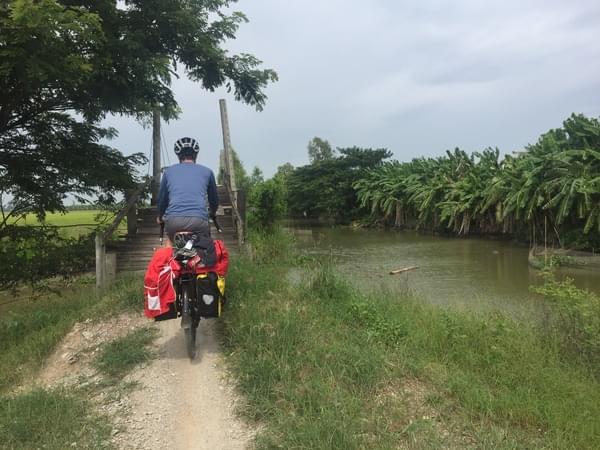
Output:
x,y
188,324
190,341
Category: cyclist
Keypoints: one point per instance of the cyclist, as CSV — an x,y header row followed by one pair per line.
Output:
x,y
184,191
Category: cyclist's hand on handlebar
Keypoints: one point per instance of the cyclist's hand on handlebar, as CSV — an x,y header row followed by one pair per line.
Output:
x,y
213,217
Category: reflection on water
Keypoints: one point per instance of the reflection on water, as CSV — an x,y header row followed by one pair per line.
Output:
x,y
475,274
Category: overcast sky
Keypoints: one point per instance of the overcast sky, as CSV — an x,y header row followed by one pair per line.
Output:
x,y
416,77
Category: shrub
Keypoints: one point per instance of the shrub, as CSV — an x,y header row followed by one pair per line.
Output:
x,y
574,319
29,255
267,205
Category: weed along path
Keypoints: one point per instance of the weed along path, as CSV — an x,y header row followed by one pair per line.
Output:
x,y
184,404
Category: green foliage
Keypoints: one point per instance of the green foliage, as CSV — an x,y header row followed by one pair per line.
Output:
x,y
554,182
574,319
242,180
382,329
319,150
66,65
271,245
325,189
32,255
53,420
120,356
266,205
284,172
256,176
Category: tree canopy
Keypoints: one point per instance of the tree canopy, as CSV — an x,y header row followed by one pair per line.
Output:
x,y
65,65
324,189
319,150
554,182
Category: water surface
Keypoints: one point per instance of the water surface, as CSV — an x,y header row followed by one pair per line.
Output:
x,y
475,274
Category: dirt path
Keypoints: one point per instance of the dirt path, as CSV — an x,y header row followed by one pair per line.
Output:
x,y
183,404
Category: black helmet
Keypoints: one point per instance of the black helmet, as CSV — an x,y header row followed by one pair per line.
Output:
x,y
186,147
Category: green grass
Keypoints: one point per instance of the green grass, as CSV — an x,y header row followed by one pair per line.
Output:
x,y
69,218
75,223
323,366
120,356
52,420
31,329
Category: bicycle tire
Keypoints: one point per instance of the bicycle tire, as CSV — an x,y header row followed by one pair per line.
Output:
x,y
189,332
190,341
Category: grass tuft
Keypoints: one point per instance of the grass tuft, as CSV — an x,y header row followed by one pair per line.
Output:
x,y
118,357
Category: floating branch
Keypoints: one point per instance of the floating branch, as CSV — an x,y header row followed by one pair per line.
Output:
x,y
406,269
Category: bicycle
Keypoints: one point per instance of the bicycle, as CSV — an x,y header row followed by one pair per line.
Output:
x,y
198,294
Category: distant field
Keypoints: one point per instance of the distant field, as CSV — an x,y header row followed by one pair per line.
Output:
x,y
70,218
76,223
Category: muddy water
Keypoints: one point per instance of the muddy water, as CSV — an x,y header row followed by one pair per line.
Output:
x,y
475,274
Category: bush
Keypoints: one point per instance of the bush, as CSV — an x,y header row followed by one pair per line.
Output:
x,y
267,205
574,319
30,255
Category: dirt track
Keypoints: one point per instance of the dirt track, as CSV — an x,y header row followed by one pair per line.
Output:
x,y
184,404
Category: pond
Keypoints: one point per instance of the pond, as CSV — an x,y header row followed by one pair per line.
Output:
x,y
476,274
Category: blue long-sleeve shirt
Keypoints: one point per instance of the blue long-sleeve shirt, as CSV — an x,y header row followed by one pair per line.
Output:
x,y
184,190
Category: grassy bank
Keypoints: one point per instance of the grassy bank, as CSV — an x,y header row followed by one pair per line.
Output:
x,y
324,366
30,330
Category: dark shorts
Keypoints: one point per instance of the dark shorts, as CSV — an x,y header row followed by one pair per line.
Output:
x,y
196,224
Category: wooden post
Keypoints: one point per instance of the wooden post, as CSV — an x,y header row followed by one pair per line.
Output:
x,y
100,261
230,169
228,157
131,214
155,155
110,268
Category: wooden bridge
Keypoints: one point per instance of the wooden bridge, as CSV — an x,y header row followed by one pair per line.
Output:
x,y
133,252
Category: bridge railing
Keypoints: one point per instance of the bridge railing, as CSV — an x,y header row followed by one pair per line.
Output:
x,y
106,264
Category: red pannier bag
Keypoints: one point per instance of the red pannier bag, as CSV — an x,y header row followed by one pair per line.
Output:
x,y
159,291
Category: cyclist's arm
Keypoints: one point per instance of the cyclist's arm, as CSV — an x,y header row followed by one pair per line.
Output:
x,y
213,198
163,197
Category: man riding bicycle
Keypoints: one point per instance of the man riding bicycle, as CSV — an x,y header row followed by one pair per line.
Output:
x,y
184,190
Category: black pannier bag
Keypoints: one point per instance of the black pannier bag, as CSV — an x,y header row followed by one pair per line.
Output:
x,y
210,300
203,245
